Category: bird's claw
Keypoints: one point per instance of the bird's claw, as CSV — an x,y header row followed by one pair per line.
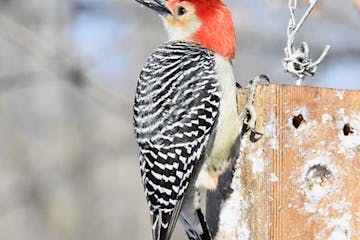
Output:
x,y
248,114
258,79
255,135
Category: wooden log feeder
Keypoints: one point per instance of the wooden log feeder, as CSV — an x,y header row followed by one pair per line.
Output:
x,y
301,180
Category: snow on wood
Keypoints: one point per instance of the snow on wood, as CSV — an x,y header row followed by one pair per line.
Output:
x,y
301,179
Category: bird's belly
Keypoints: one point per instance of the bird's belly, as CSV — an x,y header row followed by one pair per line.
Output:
x,y
226,132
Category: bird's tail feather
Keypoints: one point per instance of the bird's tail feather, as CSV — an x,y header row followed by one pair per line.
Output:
x,y
160,226
206,233
196,228
164,222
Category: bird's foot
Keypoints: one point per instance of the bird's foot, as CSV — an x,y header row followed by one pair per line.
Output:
x,y
248,114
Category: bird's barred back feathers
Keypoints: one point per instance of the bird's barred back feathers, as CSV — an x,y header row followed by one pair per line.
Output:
x,y
176,107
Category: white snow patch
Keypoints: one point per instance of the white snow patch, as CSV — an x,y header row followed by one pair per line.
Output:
x,y
340,206
325,118
314,196
257,160
338,234
349,144
341,112
340,94
243,232
232,219
230,211
273,177
341,227
270,131
233,212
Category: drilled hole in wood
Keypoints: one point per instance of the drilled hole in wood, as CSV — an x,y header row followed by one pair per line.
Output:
x,y
297,120
317,175
347,129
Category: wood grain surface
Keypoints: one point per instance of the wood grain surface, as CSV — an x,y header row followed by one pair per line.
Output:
x,y
301,180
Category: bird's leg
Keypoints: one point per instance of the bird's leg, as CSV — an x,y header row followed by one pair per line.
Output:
x,y
248,114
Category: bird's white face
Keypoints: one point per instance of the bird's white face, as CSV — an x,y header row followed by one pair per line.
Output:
x,y
183,22
205,22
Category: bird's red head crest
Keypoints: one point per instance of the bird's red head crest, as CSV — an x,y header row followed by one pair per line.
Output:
x,y
216,28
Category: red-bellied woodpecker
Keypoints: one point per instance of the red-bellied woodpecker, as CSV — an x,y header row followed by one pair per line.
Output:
x,y
185,113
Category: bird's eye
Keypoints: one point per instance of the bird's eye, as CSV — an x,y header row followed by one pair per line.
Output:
x,y
181,11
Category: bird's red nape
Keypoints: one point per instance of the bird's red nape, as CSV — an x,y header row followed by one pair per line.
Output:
x,y
217,28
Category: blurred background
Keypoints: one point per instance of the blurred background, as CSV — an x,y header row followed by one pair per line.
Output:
x,y
68,70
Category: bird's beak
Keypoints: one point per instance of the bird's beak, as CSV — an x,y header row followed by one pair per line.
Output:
x,y
157,6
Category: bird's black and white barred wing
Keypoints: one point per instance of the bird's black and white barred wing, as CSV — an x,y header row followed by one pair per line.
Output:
x,y
175,110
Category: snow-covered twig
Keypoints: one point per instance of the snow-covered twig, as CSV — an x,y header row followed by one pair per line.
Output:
x,y
297,61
